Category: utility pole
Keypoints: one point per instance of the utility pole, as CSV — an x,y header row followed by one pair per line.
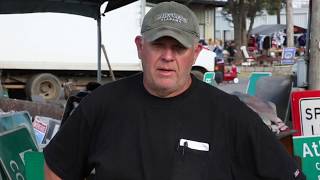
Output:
x,y
314,62
290,41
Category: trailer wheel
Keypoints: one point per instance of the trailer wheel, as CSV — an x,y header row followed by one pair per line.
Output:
x,y
198,74
45,85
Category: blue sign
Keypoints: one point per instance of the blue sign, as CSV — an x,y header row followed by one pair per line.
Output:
x,y
288,55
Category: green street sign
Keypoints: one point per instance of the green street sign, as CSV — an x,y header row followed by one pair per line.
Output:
x,y
34,165
208,77
308,149
14,143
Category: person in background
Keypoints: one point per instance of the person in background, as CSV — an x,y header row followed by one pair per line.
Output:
x,y
163,123
74,100
211,44
218,49
203,42
231,48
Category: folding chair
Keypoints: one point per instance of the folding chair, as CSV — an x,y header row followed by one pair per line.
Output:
x,y
254,76
248,60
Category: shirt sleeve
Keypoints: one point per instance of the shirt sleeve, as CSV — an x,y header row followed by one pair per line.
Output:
x,y
258,154
67,151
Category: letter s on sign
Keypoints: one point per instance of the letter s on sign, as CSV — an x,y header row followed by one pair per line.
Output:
x,y
308,113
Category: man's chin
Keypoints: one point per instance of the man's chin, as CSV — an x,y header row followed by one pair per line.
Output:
x,y
166,85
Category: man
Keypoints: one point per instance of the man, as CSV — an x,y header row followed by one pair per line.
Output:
x,y
164,124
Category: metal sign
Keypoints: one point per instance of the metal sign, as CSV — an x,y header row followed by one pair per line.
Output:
x,y
306,112
308,149
14,143
288,55
208,77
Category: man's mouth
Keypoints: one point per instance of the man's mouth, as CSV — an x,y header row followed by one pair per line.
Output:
x,y
166,71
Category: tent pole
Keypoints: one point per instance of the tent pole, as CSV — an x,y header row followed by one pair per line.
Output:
x,y
99,48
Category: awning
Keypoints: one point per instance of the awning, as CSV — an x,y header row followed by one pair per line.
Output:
x,y
273,28
88,8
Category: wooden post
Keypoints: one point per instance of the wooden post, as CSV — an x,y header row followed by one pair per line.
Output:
x,y
289,14
314,63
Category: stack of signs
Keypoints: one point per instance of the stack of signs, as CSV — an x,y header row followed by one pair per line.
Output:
x,y
306,120
45,128
13,120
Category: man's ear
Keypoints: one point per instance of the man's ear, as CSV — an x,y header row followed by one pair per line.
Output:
x,y
138,40
197,50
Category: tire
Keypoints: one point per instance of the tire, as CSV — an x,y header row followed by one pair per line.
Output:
x,y
218,77
236,80
44,85
198,74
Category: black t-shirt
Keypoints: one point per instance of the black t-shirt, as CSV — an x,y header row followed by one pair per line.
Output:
x,y
123,132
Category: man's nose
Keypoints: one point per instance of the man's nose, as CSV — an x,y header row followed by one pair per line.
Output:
x,y
168,54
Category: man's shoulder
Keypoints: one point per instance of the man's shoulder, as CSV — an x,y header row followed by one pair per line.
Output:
x,y
116,89
208,90
123,83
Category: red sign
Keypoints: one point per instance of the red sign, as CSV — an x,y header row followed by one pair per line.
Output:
x,y
305,108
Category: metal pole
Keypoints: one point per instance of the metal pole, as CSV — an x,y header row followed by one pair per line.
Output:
x,y
108,62
215,23
99,48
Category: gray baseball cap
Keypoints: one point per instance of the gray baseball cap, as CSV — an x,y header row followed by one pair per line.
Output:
x,y
171,19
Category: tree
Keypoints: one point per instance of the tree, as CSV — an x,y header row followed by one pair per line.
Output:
x,y
290,41
274,7
238,11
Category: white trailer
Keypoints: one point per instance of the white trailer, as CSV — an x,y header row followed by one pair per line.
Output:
x,y
39,52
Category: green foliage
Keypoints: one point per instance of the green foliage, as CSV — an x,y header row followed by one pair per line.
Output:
x,y
272,7
252,7
237,11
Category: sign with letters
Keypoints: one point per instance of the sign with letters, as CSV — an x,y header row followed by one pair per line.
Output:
x,y
208,77
306,112
308,149
14,144
288,55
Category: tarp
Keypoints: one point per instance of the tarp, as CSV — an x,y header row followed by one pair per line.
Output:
x,y
269,29
88,8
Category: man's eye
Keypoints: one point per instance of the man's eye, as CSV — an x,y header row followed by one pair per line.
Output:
x,y
180,48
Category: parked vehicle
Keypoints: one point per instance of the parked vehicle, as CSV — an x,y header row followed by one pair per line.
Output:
x,y
40,52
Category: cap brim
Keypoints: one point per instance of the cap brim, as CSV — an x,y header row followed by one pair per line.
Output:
x,y
186,39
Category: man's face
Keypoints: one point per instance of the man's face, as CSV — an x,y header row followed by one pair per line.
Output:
x,y
166,65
